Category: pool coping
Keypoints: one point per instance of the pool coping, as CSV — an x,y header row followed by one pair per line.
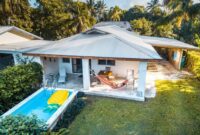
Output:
x,y
51,122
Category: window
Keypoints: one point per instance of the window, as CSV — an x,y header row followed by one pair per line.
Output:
x,y
111,62
102,62
106,62
66,60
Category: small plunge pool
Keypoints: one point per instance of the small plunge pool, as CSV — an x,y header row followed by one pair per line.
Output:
x,y
36,104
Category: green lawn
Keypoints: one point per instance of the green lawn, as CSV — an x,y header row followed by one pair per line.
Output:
x,y
174,111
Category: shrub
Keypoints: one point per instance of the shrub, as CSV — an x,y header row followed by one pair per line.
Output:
x,y
15,125
18,82
142,26
193,63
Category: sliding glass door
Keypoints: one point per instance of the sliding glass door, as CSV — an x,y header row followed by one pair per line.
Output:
x,y
77,65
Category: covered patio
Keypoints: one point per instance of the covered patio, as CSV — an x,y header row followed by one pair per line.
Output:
x,y
137,88
101,48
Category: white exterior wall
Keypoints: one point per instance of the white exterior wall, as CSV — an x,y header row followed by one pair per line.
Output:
x,y
50,67
120,69
67,66
9,37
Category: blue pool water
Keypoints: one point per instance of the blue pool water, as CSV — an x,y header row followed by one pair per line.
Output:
x,y
38,106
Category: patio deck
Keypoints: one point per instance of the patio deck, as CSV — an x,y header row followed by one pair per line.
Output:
x,y
127,92
164,71
74,81
161,71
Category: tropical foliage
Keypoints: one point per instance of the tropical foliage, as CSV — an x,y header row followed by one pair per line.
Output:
x,y
21,125
52,19
17,82
16,12
193,63
58,19
115,14
142,26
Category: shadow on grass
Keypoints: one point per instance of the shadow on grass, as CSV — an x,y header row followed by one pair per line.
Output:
x,y
174,111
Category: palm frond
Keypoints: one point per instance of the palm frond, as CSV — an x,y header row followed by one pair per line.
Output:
x,y
170,17
194,10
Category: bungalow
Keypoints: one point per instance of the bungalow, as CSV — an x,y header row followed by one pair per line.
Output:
x,y
14,41
100,49
97,61
108,51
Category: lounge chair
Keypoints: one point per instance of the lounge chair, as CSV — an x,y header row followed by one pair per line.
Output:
x,y
108,82
112,84
62,77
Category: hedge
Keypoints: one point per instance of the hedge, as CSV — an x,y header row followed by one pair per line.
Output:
x,y
193,63
22,125
17,82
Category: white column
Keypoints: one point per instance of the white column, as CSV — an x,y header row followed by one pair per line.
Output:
x,y
142,79
86,74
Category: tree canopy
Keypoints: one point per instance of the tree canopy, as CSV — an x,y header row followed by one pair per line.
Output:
x,y
58,19
16,12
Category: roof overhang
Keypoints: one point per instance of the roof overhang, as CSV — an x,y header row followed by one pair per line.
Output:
x,y
175,47
24,46
19,31
90,57
167,43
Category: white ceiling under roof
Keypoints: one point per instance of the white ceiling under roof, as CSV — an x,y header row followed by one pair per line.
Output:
x,y
116,43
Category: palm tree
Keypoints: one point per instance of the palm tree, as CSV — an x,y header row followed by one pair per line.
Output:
x,y
81,17
153,4
91,4
15,12
100,8
115,14
181,10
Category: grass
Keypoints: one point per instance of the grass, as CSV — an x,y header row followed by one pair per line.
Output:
x,y
174,111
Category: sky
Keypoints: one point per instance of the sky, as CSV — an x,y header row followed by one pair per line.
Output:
x,y
125,4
